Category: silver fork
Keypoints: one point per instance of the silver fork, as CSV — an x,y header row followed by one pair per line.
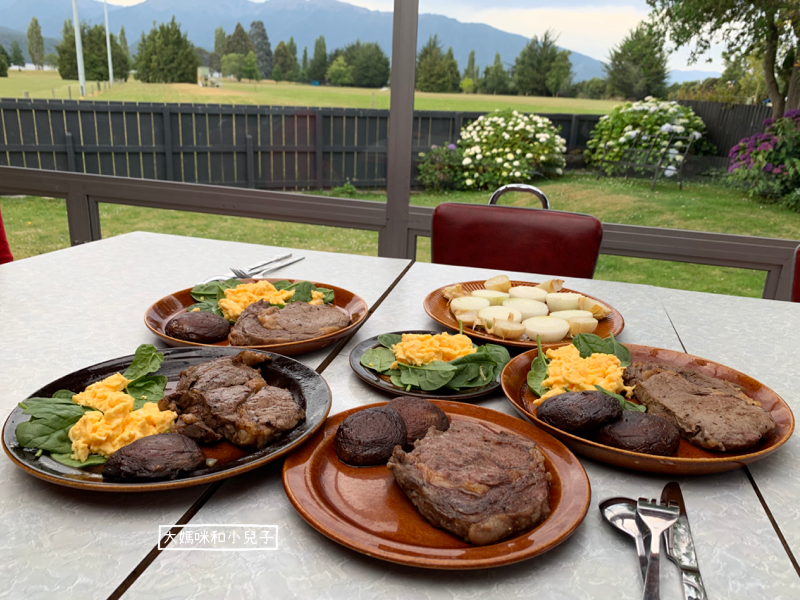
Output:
x,y
247,272
658,518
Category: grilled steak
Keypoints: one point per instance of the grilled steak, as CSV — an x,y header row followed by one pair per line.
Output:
x,y
227,398
712,417
642,370
480,485
162,456
261,323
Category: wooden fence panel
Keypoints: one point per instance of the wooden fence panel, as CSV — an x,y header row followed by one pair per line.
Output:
x,y
103,128
58,129
120,159
147,139
304,132
44,138
727,124
88,128
13,137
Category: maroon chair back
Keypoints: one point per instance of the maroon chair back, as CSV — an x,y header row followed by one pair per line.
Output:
x,y
796,281
511,238
5,251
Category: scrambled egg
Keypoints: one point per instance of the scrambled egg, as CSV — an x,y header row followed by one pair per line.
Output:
x,y
243,295
568,372
420,349
114,423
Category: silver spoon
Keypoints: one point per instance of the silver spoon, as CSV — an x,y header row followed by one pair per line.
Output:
x,y
621,513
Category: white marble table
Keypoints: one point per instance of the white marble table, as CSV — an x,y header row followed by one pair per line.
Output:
x,y
66,310
70,543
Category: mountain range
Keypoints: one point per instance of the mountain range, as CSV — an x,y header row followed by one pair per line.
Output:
x,y
305,20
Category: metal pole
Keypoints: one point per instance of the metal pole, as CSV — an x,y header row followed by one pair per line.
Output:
x,y
393,241
76,23
108,47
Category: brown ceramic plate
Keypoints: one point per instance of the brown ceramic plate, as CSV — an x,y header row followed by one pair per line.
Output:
x,y
384,383
689,459
306,385
436,306
363,508
161,312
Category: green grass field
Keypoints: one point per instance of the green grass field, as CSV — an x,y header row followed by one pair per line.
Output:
x,y
37,225
40,84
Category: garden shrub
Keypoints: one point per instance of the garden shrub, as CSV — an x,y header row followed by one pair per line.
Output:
x,y
651,117
498,148
768,164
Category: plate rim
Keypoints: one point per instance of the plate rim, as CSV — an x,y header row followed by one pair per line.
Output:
x,y
677,461
515,343
355,364
579,505
329,337
171,484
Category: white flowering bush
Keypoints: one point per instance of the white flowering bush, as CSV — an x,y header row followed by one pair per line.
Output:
x,y
509,147
648,119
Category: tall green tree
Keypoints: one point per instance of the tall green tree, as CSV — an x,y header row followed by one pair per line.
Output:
x,y
5,55
277,72
471,71
220,39
495,78
370,66
559,77
3,66
283,59
95,57
51,60
263,50
304,66
433,72
319,62
123,43
637,67
742,26
17,58
239,42
35,43
250,67
233,66
454,75
294,73
534,63
165,55
340,73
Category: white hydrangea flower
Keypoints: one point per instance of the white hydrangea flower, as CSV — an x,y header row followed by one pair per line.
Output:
x,y
510,156
559,171
529,155
469,182
505,173
498,160
478,156
466,161
666,128
517,174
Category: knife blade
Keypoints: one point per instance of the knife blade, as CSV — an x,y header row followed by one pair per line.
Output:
x,y
680,546
281,265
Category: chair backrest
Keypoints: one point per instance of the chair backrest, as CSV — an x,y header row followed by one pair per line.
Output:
x,y
511,238
5,251
796,281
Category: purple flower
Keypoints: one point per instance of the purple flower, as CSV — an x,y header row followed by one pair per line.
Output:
x,y
434,147
768,122
764,146
751,143
451,146
790,114
768,167
776,171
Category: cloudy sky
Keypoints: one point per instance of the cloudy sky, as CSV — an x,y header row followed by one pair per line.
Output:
x,y
590,27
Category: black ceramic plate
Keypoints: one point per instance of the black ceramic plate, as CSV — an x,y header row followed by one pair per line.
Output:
x,y
375,379
307,386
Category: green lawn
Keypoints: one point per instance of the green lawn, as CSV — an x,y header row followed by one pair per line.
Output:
x,y
37,225
40,83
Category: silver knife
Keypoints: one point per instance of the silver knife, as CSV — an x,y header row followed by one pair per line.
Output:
x,y
680,546
281,265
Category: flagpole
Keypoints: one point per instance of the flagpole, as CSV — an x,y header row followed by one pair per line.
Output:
x,y
76,23
108,47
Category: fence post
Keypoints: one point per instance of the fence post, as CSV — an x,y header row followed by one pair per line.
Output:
x,y
573,134
318,147
70,153
83,218
69,91
459,125
251,162
165,112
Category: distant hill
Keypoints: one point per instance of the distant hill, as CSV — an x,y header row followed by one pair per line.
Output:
x,y
339,22
680,76
9,35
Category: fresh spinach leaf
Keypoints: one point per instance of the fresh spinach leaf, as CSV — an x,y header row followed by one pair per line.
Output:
x,y
50,434
620,351
66,394
624,402
429,377
387,340
209,306
590,343
499,354
60,408
328,295
378,359
474,374
394,375
284,284
147,359
302,292
66,459
205,291
538,372
146,389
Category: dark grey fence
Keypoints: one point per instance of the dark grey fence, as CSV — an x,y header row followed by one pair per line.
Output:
x,y
727,124
246,146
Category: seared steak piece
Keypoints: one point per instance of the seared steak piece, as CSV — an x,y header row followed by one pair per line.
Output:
x,y
480,485
261,324
227,398
161,456
642,370
710,417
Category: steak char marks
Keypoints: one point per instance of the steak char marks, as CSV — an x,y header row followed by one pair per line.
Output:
x,y
227,399
262,324
480,485
710,413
